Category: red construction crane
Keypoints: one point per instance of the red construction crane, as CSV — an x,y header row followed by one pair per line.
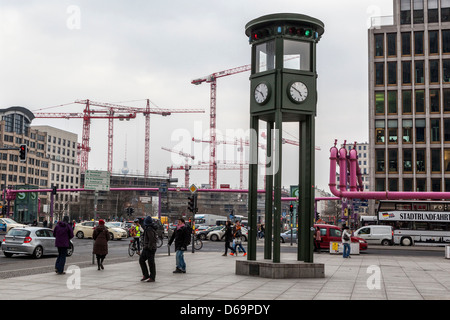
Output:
x,y
186,166
212,117
146,112
87,115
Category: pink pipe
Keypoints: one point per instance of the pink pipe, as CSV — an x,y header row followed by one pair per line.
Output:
x,y
378,195
353,165
343,168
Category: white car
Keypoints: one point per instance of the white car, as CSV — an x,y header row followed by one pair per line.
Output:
x,y
7,224
218,235
86,229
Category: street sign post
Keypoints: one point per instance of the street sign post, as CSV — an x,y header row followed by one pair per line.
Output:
x,y
97,180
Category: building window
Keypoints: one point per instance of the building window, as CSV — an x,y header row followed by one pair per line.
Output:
x,y
392,73
297,55
406,101
380,185
418,43
407,130
392,102
392,154
445,10
434,101
406,72
447,160
407,160
445,41
418,11
379,131
379,160
408,184
447,130
420,160
406,43
379,45
391,44
393,129
436,160
393,184
420,130
421,185
434,71
446,93
446,70
435,130
379,102
405,12
433,39
420,101
433,15
379,73
419,74
436,184
265,56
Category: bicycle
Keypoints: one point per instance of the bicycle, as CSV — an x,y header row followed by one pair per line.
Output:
x,y
132,247
198,243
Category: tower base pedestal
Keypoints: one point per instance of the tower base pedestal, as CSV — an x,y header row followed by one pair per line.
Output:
x,y
281,270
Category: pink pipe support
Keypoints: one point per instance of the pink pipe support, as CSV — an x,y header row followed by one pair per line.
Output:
x,y
377,195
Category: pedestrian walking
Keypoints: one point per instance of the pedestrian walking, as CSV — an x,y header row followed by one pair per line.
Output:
x,y
148,251
101,238
182,238
238,239
317,239
228,238
346,242
63,233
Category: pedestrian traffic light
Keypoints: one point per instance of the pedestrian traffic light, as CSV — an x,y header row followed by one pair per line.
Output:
x,y
23,153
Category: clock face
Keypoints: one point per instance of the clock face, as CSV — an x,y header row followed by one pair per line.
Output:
x,y
298,92
261,93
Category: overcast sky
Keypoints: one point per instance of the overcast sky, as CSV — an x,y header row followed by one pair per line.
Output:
x,y
53,52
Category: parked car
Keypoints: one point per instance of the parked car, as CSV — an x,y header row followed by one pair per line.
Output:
x,y
219,234
376,234
34,241
330,233
86,229
7,224
286,236
202,234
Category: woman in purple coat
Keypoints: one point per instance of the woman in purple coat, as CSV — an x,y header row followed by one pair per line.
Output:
x,y
63,233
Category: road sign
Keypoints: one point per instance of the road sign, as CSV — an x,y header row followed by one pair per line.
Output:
x,y
193,188
97,180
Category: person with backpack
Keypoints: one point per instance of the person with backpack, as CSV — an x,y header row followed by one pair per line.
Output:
x,y
182,238
148,251
238,239
135,232
346,239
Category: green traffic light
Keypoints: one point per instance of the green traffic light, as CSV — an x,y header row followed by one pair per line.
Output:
x,y
308,33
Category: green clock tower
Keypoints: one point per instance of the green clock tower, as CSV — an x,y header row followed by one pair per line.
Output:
x,y
283,88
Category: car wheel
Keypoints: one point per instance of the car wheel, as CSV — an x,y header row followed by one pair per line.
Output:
x,y
202,237
282,239
38,252
111,236
80,235
8,254
70,251
386,242
214,237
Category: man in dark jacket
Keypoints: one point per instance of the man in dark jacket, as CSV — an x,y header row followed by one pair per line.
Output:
x,y
148,251
182,237
228,238
63,233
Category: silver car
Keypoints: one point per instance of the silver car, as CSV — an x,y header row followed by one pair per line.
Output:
x,y
35,241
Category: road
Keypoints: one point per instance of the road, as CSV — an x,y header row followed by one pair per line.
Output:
x,y
118,252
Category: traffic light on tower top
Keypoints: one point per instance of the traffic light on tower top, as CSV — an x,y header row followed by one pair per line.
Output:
x,y
23,152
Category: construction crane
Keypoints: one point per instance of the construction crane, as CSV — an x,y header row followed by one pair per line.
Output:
x,y
87,115
288,141
146,112
212,117
186,166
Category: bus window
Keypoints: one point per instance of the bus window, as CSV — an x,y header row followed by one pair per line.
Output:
x,y
437,226
384,206
420,206
403,206
420,225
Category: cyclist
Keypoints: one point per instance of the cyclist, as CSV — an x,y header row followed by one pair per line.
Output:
x,y
135,232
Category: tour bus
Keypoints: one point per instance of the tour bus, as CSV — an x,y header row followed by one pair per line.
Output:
x,y
207,219
416,222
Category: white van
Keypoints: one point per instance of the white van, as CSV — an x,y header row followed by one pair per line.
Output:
x,y
376,234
